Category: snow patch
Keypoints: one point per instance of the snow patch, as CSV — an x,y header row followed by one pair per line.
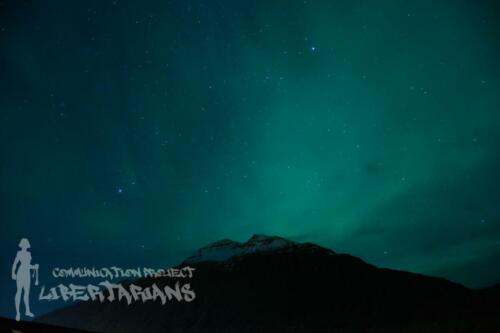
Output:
x,y
227,249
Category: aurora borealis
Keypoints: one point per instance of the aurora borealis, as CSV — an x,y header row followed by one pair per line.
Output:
x,y
132,133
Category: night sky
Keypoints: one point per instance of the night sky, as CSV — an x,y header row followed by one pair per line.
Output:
x,y
132,133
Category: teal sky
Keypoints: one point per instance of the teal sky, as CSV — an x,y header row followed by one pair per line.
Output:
x,y
135,132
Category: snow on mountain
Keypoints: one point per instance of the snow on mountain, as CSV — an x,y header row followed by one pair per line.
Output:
x,y
226,249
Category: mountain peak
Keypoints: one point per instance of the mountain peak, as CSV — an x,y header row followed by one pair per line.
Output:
x,y
226,249
256,237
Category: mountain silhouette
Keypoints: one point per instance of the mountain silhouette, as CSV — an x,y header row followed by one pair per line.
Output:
x,y
270,284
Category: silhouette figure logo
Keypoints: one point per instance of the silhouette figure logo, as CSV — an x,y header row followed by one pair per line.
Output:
x,y
22,272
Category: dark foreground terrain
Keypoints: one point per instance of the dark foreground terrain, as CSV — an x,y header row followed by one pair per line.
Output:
x,y
12,326
269,284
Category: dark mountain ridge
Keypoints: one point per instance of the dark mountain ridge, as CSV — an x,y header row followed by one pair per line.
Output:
x,y
270,284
